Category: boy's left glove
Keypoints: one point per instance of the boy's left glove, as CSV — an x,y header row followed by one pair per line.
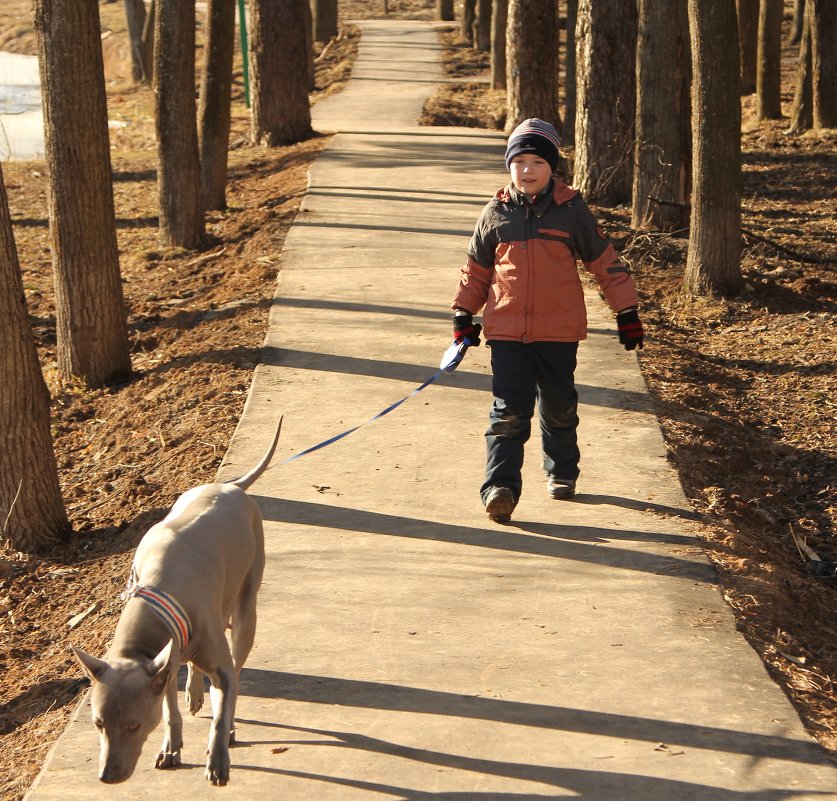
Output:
x,y
630,329
464,328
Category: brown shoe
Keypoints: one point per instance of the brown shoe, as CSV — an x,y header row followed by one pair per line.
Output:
x,y
499,504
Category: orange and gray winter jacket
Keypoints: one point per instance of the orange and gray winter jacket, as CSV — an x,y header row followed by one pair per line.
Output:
x,y
522,267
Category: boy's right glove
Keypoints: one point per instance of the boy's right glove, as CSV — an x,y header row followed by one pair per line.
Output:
x,y
630,329
464,328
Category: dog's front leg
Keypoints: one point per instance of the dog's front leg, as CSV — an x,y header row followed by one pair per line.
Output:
x,y
169,756
222,694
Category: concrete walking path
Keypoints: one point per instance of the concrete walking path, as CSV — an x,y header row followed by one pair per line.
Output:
x,y
408,648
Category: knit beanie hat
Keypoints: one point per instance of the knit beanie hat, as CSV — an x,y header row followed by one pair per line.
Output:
x,y
534,136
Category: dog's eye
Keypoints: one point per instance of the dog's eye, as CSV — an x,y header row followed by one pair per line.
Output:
x,y
132,727
97,722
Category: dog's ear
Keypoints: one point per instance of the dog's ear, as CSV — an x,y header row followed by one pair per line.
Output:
x,y
159,668
93,668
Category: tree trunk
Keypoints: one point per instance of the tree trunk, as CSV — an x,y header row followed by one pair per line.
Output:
x,y
824,62
748,36
466,32
178,159
768,76
802,114
532,62
482,26
32,513
325,19
662,114
798,21
214,105
604,130
135,22
444,10
713,265
281,112
309,40
568,128
91,326
499,18
148,41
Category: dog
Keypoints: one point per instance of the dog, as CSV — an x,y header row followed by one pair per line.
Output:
x,y
194,574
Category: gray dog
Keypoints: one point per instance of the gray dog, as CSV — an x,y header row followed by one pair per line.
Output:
x,y
195,573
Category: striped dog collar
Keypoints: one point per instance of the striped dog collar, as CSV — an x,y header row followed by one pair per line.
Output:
x,y
166,607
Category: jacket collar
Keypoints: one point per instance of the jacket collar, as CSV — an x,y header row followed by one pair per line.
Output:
x,y
560,193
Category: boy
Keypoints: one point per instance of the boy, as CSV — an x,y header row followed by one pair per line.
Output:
x,y
522,268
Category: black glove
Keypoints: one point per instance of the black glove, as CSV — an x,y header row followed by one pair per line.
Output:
x,y
630,329
464,328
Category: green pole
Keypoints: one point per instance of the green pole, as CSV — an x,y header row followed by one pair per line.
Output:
x,y
242,25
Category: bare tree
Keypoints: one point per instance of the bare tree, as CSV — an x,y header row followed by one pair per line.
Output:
x,y
604,129
214,104
824,62
499,19
178,159
324,14
32,514
135,22
281,112
769,61
444,10
568,128
532,62
482,26
662,155
91,325
802,112
469,11
798,20
748,36
713,264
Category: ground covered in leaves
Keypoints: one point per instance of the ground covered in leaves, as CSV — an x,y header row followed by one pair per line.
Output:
x,y
745,388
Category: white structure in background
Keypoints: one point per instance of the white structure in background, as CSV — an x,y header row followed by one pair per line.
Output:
x,y
21,116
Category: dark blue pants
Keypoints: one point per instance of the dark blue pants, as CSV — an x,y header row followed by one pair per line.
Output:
x,y
522,374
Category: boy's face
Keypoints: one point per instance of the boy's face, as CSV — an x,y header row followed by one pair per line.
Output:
x,y
530,174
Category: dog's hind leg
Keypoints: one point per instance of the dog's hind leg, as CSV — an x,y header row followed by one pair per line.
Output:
x,y
169,756
194,689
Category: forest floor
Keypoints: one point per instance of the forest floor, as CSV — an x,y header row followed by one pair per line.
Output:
x,y
745,388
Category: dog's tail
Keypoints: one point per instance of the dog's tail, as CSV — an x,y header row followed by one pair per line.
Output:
x,y
243,482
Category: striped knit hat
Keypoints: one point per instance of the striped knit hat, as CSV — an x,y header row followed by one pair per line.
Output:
x,y
534,136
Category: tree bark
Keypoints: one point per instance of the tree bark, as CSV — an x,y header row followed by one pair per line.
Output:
x,y
604,130
824,62
499,19
748,36
444,10
802,113
214,104
281,113
532,62
178,159
713,264
135,22
91,325
324,14
482,26
663,108
568,128
32,514
768,76
148,41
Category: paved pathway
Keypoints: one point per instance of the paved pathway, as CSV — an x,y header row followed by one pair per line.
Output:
x,y
407,647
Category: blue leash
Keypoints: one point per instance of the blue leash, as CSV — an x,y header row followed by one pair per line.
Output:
x,y
450,360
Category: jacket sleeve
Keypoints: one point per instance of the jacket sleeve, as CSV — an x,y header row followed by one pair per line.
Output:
x,y
475,279
602,261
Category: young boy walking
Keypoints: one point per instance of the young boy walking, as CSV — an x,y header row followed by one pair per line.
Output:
x,y
522,268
